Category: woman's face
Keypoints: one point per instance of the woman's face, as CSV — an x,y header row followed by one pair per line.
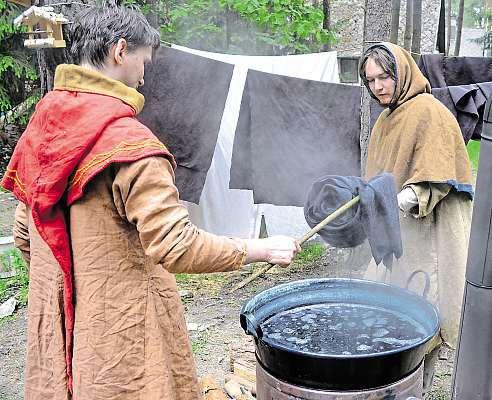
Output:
x,y
380,82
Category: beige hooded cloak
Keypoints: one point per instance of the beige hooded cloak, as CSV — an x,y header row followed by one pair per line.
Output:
x,y
420,142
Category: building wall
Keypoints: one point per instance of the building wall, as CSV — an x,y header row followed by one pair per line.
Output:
x,y
348,18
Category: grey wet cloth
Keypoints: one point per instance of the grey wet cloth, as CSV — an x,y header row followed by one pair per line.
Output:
x,y
467,103
290,131
444,71
185,96
375,217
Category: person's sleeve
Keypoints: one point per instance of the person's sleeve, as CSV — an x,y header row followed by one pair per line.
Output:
x,y
21,232
428,195
144,194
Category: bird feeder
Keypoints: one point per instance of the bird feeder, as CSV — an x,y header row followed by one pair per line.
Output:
x,y
24,3
44,27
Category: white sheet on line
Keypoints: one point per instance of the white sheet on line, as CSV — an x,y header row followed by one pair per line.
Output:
x,y
231,212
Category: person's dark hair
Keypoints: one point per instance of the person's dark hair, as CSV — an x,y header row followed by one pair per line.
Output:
x,y
381,57
96,29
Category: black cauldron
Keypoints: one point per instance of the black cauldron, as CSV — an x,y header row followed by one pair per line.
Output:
x,y
322,370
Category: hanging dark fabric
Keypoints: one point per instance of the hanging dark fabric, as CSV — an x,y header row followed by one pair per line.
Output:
x,y
291,131
443,71
185,96
467,103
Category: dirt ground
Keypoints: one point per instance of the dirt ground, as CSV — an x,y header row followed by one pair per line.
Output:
x,y
7,209
211,306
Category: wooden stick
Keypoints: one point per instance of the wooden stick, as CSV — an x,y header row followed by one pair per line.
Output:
x,y
302,240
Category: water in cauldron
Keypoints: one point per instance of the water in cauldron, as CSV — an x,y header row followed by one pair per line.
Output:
x,y
342,329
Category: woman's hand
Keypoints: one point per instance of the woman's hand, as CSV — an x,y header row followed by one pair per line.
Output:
x,y
408,201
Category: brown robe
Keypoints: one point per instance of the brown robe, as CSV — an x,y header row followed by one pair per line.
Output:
x,y
129,234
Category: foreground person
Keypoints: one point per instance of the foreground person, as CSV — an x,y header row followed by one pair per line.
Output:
x,y
419,141
102,228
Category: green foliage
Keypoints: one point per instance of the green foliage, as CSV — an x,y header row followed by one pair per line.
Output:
x,y
210,283
183,278
17,73
473,148
309,253
195,23
293,25
486,39
6,320
474,13
198,344
17,285
274,27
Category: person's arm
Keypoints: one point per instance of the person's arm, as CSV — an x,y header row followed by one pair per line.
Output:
x,y
420,199
21,232
145,195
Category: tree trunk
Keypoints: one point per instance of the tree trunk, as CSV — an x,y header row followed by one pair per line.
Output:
x,y
448,27
377,25
417,28
407,44
459,27
228,28
326,21
395,21
48,59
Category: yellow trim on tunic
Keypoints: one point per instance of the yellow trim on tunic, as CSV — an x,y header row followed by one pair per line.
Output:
x,y
103,157
12,175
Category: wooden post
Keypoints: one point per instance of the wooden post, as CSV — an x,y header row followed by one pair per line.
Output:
x,y
395,21
377,23
459,27
407,40
448,27
326,21
417,28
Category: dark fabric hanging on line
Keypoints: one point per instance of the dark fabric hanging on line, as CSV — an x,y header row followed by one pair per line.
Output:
x,y
431,65
467,103
375,216
185,96
444,71
291,131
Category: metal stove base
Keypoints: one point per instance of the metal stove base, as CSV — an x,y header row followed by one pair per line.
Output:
x,y
271,388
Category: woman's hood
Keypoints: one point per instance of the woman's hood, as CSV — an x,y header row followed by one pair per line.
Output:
x,y
409,80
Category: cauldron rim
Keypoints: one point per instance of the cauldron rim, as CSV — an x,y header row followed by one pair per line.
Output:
x,y
299,366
